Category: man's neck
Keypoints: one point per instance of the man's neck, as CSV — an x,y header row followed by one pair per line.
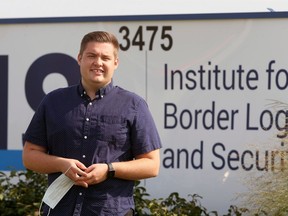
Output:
x,y
92,89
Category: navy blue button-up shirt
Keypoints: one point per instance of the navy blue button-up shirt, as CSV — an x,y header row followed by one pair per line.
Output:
x,y
116,126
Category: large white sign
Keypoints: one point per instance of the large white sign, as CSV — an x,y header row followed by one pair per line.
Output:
x,y
210,85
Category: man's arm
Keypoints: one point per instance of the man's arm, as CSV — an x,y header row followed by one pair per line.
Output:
x,y
144,166
36,158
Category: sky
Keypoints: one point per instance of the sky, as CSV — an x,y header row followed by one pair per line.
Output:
x,y
68,8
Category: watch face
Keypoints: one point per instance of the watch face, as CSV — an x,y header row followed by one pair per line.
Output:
x,y
111,174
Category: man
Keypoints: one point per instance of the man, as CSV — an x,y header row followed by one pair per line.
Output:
x,y
100,135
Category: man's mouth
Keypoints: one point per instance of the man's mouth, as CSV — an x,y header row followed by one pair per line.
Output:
x,y
97,71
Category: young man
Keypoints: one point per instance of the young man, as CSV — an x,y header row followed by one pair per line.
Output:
x,y
100,135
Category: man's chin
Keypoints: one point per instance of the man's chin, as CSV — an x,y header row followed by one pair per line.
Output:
x,y
102,82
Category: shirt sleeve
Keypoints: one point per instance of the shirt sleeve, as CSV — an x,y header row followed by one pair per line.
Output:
x,y
145,137
36,131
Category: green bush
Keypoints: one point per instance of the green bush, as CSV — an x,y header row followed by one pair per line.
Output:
x,y
172,205
21,194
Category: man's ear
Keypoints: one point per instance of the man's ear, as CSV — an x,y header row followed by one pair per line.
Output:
x,y
79,57
116,62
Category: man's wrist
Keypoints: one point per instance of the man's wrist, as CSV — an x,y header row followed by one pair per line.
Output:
x,y
111,170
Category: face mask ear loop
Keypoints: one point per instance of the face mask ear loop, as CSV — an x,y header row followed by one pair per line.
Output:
x,y
39,211
67,170
49,211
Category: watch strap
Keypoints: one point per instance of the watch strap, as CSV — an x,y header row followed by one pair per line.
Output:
x,y
111,170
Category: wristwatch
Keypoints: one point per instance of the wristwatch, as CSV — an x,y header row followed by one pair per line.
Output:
x,y
111,171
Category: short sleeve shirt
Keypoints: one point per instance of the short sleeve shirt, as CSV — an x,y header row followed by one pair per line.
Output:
x,y
116,126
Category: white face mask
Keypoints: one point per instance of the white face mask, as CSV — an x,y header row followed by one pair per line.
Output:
x,y
56,191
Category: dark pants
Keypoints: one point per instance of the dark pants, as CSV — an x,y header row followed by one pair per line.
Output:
x,y
130,213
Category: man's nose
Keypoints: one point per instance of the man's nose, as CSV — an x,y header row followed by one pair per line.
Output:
x,y
97,61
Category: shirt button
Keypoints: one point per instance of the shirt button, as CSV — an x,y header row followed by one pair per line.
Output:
x,y
80,194
87,119
84,156
90,103
85,137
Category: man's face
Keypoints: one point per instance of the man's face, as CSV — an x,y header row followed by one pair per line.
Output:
x,y
97,64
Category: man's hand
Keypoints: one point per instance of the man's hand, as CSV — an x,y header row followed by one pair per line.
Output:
x,y
95,174
76,172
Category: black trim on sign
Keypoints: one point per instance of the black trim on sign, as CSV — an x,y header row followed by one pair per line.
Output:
x,y
4,101
156,17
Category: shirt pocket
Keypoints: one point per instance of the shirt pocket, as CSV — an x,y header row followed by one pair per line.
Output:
x,y
112,129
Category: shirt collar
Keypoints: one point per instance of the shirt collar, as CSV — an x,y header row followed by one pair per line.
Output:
x,y
100,93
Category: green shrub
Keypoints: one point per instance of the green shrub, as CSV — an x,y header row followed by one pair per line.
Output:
x,y
21,194
171,206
